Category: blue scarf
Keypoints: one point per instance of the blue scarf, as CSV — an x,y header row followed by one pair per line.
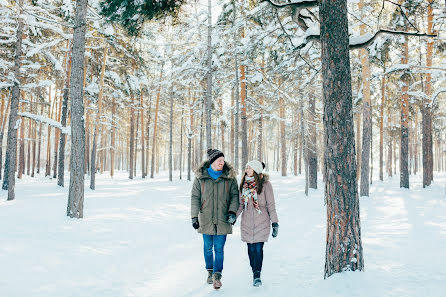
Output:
x,y
214,174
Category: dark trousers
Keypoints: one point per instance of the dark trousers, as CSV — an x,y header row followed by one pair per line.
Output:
x,y
255,253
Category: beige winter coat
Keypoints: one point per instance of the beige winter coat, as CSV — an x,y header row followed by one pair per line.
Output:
x,y
256,227
211,200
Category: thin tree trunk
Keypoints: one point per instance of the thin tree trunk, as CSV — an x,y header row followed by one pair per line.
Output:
x,y
312,145
237,95
209,79
190,135
2,131
30,129
21,168
132,139
344,247
381,127
152,169
61,169
57,137
143,146
243,114
282,137
40,143
426,109
404,147
113,149
11,150
303,148
358,143
76,192
171,137
366,116
181,138
97,130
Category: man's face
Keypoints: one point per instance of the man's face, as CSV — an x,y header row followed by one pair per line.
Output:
x,y
218,164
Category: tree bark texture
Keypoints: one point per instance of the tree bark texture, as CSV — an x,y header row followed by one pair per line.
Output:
x,y
344,247
75,207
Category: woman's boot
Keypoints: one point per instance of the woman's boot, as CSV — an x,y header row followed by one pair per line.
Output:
x,y
257,281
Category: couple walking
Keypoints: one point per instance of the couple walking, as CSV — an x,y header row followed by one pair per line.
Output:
x,y
216,203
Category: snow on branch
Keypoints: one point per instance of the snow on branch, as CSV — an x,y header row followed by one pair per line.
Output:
x,y
51,122
294,3
366,40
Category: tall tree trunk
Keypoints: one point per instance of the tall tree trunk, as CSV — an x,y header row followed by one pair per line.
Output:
x,y
113,140
209,80
181,138
152,169
426,109
29,142
149,117
416,142
39,146
404,147
312,145
97,127
132,138
171,137
237,95
87,122
143,147
11,148
283,156
303,144
34,137
381,126
21,168
358,144
232,132
61,169
3,119
344,247
190,135
76,192
366,116
57,137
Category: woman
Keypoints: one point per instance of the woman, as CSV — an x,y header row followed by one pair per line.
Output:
x,y
258,209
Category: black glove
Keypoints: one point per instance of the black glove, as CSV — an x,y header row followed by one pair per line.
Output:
x,y
231,218
195,223
275,229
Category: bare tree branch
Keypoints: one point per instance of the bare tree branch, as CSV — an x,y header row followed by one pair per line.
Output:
x,y
384,31
300,4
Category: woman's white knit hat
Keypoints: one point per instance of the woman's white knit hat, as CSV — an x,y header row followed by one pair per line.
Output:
x,y
256,166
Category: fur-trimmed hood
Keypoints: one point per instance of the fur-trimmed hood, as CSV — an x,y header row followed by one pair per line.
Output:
x,y
202,172
265,178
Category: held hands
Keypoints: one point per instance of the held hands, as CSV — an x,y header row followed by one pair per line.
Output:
x,y
275,229
195,223
231,218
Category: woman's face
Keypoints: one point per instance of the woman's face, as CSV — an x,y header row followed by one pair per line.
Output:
x,y
249,171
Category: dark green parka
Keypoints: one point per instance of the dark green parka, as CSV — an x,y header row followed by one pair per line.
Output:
x,y
211,200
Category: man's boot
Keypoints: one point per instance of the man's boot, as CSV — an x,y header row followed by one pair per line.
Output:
x,y
209,280
217,280
257,282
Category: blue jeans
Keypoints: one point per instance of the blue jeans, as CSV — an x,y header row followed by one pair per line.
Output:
x,y
214,243
255,253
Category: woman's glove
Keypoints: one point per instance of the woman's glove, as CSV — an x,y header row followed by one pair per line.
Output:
x,y
195,223
275,229
231,218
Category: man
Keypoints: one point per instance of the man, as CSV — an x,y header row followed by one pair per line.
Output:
x,y
214,202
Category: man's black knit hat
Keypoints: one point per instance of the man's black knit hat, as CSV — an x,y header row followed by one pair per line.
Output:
x,y
214,154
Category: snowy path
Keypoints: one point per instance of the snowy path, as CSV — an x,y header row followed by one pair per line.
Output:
x,y
136,240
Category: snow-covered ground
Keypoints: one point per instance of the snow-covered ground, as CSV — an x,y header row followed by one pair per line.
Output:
x,y
136,240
